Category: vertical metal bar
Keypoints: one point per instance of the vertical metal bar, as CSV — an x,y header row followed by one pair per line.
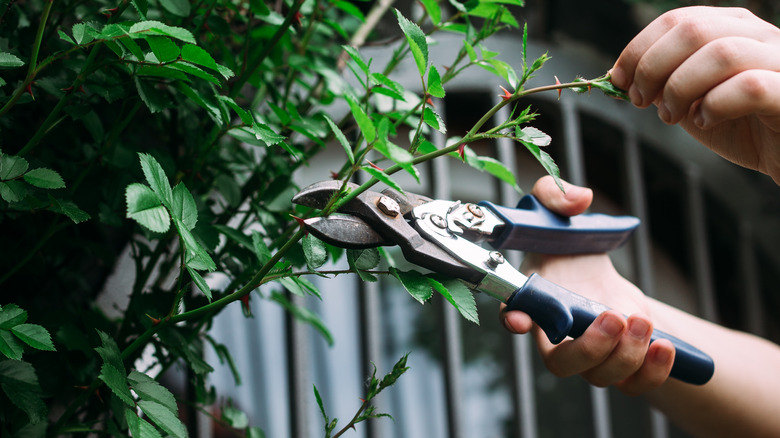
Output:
x,y
299,379
642,249
575,166
453,350
525,407
370,330
754,315
370,324
697,230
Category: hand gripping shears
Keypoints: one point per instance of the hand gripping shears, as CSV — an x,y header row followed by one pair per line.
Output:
x,y
443,236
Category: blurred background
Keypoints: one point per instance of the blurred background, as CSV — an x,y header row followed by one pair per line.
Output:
x,y
709,244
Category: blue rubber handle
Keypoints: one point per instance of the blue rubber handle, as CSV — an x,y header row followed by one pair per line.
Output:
x,y
532,227
561,313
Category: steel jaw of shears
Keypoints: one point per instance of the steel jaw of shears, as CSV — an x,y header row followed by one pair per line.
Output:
x,y
443,236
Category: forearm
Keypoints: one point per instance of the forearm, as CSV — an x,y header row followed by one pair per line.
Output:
x,y
741,398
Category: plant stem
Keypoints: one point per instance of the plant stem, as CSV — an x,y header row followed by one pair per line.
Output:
x,y
31,69
266,50
470,136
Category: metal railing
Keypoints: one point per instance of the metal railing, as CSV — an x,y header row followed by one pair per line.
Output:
x,y
470,381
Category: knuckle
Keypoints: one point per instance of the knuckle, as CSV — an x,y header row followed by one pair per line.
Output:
x,y
754,85
725,51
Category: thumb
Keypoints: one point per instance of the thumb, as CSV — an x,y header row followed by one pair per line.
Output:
x,y
575,200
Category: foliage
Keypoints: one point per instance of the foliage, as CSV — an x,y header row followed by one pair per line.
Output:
x,y
174,129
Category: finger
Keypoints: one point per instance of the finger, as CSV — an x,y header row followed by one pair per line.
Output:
x,y
749,92
573,201
575,356
515,321
627,357
625,67
711,65
654,370
678,44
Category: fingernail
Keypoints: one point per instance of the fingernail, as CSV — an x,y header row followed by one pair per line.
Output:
x,y
611,326
698,118
575,192
664,113
638,328
618,77
662,356
636,96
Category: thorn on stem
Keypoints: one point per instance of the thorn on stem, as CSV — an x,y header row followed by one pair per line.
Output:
x,y
507,95
301,224
462,152
558,82
375,166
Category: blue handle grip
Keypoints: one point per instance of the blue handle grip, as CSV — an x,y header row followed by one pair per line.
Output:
x,y
561,313
532,227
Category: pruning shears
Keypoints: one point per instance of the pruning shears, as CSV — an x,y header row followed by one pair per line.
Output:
x,y
446,236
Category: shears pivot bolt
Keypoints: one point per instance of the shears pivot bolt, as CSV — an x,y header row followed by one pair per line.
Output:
x,y
388,206
495,258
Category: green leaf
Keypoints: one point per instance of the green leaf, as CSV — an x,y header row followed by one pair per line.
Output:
x,y
314,250
200,282
434,120
544,159
350,9
305,315
394,152
417,41
11,315
299,286
145,207
12,191
151,27
199,56
8,60
69,209
44,178
415,283
83,33
459,296
34,335
499,170
9,346
470,51
266,134
164,49
389,87
12,166
364,122
196,256
149,389
163,418
153,98
434,83
20,383
139,427
109,352
194,70
382,177
355,55
363,259
534,135
117,382
260,248
155,176
236,418
433,9
180,8
341,138
183,206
